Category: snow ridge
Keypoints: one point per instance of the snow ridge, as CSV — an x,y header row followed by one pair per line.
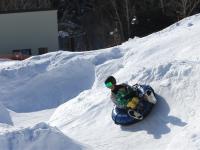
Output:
x,y
39,137
5,116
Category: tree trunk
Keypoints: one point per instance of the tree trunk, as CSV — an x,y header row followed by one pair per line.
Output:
x,y
127,18
162,6
122,38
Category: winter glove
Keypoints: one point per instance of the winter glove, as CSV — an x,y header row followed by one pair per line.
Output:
x,y
133,103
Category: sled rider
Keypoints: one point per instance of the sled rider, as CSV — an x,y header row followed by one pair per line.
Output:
x,y
125,97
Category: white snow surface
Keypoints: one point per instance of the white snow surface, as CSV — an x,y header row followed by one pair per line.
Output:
x,y
72,84
39,137
5,115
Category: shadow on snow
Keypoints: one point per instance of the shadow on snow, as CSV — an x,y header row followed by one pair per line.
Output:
x,y
156,122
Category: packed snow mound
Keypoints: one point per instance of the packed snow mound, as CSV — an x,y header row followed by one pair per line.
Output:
x,y
39,137
31,79
5,115
169,61
43,82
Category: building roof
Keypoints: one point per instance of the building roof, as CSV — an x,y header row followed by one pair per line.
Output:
x,y
22,11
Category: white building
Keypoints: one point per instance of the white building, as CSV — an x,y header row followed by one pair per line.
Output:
x,y
27,32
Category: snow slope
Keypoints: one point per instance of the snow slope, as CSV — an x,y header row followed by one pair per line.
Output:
x,y
39,137
72,83
170,62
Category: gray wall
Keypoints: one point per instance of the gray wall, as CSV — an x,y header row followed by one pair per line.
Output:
x,y
28,30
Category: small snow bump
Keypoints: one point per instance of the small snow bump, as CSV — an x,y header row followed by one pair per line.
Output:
x,y
190,24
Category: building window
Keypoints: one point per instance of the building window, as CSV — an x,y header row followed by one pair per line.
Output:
x,y
26,52
42,50
20,54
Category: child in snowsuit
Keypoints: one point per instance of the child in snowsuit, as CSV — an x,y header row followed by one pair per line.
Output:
x,y
125,97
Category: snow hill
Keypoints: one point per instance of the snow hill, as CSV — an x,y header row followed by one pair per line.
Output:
x,y
72,85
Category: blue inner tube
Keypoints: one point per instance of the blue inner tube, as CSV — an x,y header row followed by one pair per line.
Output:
x,y
120,116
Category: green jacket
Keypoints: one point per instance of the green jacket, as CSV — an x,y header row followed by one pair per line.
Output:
x,y
122,94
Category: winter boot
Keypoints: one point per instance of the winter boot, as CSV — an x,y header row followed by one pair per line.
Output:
x,y
135,114
150,97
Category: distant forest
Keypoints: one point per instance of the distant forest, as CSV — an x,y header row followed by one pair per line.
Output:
x,y
94,24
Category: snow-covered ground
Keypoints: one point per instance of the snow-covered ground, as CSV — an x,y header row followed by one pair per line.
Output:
x,y
41,136
66,90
